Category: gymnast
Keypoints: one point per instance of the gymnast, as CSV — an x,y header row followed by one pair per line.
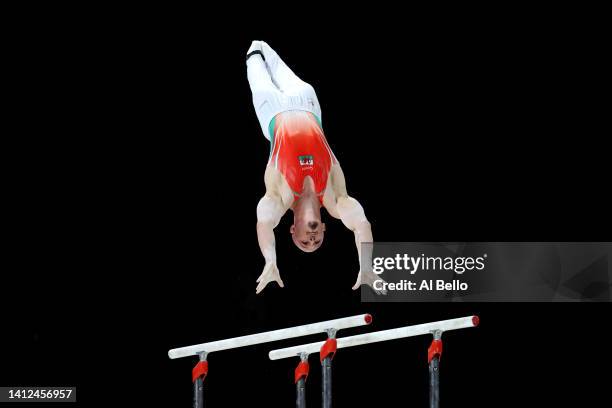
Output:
x,y
302,173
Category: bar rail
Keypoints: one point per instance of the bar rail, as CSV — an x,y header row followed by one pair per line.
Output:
x,y
378,336
274,335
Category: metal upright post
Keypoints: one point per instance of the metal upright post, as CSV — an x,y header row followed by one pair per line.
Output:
x,y
300,399
199,375
328,350
433,358
327,382
301,374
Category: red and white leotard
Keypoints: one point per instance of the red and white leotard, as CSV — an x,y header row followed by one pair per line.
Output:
x,y
299,149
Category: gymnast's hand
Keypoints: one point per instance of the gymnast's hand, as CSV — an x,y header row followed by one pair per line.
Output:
x,y
368,278
269,274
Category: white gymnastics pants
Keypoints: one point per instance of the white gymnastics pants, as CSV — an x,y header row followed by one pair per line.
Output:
x,y
275,87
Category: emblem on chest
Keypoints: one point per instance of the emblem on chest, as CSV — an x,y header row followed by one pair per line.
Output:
x,y
306,161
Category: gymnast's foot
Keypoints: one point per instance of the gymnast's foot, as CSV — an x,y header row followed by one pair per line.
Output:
x,y
255,49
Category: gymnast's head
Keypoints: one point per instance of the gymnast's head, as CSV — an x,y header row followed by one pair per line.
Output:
x,y
307,230
307,233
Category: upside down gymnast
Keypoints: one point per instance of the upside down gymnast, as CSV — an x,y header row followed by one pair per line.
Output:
x,y
302,173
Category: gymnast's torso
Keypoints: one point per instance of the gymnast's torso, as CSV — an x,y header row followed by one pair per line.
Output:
x,y
299,153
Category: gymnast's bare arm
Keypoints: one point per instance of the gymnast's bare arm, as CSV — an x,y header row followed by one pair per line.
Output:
x,y
272,206
340,205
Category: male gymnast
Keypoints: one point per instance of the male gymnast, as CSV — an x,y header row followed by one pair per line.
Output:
x,y
302,173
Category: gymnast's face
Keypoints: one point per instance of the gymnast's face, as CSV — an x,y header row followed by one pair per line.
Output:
x,y
307,235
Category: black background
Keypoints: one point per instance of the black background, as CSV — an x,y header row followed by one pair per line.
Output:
x,y
135,163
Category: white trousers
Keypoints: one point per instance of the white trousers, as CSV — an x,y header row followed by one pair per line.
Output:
x,y
276,88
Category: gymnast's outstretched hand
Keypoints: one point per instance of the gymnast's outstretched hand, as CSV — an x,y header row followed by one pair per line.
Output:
x,y
269,274
368,278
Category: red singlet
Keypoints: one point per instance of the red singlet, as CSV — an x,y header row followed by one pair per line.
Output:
x,y
299,149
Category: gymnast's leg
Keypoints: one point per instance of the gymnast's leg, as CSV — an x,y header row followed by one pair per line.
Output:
x,y
266,95
287,81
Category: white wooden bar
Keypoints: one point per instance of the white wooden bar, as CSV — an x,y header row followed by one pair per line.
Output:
x,y
375,337
275,335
